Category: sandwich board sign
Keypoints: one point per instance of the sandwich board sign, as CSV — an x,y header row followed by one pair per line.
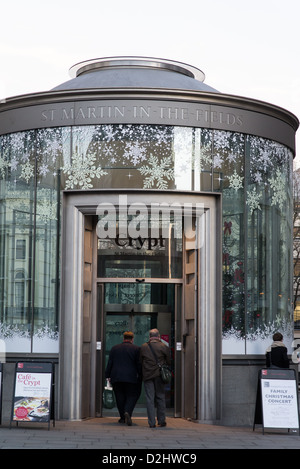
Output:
x,y
1,381
32,395
277,400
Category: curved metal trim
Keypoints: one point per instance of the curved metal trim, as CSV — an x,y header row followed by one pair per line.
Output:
x,y
201,97
137,62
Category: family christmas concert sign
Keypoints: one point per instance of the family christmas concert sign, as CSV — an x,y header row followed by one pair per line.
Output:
x,y
277,399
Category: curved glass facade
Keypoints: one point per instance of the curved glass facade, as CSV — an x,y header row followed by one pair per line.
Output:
x,y
252,173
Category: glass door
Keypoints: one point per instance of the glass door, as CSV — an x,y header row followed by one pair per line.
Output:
x,y
139,324
117,323
138,307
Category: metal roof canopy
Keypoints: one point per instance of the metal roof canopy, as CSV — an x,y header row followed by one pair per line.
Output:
x,y
132,72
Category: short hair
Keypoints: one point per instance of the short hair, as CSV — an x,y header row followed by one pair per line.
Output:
x,y
277,337
128,335
154,333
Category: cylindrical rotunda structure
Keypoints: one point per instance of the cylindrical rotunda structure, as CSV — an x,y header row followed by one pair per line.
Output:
x,y
135,196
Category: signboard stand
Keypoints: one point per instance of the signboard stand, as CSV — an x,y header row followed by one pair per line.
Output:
x,y
277,400
1,382
33,393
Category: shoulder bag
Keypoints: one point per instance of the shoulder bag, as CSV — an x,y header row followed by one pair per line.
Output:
x,y
165,372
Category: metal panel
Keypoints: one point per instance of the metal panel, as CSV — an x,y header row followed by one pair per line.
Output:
x,y
71,318
209,318
99,359
178,392
87,318
189,301
190,314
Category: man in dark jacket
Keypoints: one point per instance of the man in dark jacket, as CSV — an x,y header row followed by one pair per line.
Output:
x,y
124,371
276,354
153,384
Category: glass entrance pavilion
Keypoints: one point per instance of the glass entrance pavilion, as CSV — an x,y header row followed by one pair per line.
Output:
x,y
101,152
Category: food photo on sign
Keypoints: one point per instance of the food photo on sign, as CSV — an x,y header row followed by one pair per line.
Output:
x,y
31,409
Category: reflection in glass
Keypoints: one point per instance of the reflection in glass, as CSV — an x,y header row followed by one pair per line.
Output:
x,y
145,256
269,295
140,293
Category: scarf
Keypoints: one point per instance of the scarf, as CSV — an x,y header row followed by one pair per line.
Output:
x,y
275,344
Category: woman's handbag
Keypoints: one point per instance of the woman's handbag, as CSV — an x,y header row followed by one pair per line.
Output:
x,y
108,396
165,372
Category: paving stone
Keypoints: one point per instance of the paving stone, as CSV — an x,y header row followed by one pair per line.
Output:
x,y
107,434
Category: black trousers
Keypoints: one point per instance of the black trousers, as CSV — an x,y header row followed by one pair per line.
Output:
x,y
126,395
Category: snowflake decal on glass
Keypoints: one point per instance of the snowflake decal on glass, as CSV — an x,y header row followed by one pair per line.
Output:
x,y
265,157
47,210
3,166
81,171
27,171
218,161
135,153
257,177
157,172
228,146
203,158
14,164
44,169
236,181
109,132
278,185
253,200
17,142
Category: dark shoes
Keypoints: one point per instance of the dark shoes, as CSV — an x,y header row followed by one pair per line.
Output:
x,y
164,424
128,420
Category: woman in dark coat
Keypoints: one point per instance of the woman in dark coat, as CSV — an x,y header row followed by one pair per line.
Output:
x,y
276,354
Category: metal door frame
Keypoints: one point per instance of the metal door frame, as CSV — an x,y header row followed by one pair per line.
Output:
x,y
208,359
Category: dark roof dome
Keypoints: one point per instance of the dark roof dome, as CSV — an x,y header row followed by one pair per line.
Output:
x,y
135,72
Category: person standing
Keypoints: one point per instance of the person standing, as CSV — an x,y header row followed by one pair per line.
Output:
x,y
276,353
153,385
124,372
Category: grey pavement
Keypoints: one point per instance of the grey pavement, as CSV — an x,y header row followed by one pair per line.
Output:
x,y
107,434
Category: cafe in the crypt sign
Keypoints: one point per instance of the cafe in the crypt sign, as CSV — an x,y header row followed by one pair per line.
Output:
x,y
32,392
